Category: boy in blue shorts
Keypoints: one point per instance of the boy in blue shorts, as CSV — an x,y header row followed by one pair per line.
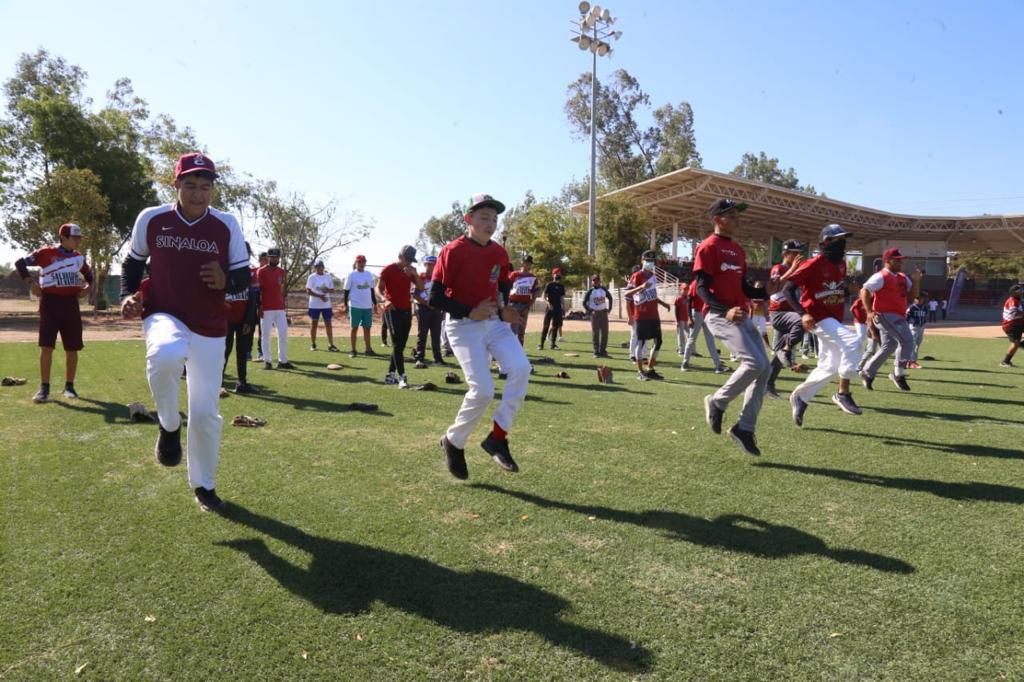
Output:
x,y
320,286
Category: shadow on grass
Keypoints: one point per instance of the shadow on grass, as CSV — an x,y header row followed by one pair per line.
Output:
x,y
970,398
959,383
111,412
309,404
348,578
963,492
571,383
943,416
969,449
731,532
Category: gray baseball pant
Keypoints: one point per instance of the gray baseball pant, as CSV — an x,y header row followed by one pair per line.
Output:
x,y
691,341
751,378
896,336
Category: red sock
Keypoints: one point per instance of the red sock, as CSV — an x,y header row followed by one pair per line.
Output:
x,y
498,433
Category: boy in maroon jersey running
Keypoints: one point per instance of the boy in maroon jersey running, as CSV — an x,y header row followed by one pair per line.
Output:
x,y
720,267
822,306
196,255
61,271
471,284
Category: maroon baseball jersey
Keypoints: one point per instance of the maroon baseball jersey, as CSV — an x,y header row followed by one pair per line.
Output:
x,y
890,291
471,272
645,301
177,249
696,302
59,270
859,312
524,287
682,308
777,302
725,262
397,286
823,287
271,279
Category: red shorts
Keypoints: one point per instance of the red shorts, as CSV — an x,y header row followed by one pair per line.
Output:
x,y
60,314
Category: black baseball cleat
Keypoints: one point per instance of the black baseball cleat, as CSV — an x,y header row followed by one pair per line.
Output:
x,y
420,365
208,500
900,381
555,347
772,392
353,354
653,374
285,365
42,395
642,375
799,407
267,365
866,380
168,447
370,351
713,414
745,439
455,458
333,349
845,403
312,346
70,392
243,388
498,450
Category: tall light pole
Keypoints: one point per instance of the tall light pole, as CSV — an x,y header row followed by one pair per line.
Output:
x,y
592,32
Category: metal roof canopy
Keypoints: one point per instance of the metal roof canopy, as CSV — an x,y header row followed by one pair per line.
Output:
x,y
681,198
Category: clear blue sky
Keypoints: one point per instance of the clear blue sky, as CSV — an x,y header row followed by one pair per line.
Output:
x,y
397,109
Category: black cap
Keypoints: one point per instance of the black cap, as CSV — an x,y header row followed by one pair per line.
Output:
x,y
527,258
263,254
649,255
792,245
274,252
724,206
408,253
832,231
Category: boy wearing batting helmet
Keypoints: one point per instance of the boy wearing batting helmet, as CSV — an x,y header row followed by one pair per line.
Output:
x,y
196,255
471,283
821,305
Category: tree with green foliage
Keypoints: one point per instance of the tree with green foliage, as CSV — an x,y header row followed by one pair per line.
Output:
x,y
553,235
987,265
623,235
760,168
438,231
629,152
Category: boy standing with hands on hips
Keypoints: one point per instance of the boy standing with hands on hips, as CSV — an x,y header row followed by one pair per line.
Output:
x,y
471,272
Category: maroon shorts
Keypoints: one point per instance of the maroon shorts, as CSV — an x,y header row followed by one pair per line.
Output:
x,y
60,314
1014,331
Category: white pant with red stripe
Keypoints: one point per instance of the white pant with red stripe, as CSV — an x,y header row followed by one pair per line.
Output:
x,y
274,319
839,352
475,342
170,345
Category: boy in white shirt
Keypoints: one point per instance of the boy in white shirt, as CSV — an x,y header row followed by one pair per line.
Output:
x,y
320,286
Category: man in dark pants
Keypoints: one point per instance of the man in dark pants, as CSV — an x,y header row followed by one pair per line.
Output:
x,y
597,302
242,321
428,319
554,293
255,284
395,286
788,327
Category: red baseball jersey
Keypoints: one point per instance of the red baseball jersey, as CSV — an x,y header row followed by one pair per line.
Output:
x,y
61,272
177,249
524,287
1013,313
859,312
890,291
696,302
397,286
725,262
645,301
777,302
470,272
682,306
271,279
237,303
823,287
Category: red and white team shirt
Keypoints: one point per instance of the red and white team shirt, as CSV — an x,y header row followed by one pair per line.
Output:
x,y
423,296
725,262
696,302
823,287
271,279
645,301
682,306
470,272
524,287
1013,313
177,249
777,302
859,312
61,272
238,303
890,291
397,286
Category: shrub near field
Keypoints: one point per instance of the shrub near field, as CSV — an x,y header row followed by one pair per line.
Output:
x,y
633,543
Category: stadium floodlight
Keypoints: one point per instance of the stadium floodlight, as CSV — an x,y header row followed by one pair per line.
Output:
x,y
592,32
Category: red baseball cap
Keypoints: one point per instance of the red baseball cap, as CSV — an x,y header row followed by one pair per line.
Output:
x,y
556,271
70,230
361,257
194,162
892,254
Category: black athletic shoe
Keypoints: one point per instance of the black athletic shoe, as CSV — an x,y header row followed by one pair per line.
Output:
x,y
554,347
799,407
846,404
901,382
208,500
353,354
653,374
268,365
866,380
243,388
745,439
168,447
455,458
42,395
70,392
440,363
285,365
712,414
642,376
498,450
632,358
420,365
772,392
312,346
333,349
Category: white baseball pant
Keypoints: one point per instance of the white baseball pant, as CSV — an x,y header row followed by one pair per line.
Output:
x,y
274,319
169,345
474,343
839,352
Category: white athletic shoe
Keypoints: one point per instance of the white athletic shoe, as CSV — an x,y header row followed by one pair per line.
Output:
x,y
403,382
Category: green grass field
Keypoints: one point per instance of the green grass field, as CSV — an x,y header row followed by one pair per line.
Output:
x,y
633,543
